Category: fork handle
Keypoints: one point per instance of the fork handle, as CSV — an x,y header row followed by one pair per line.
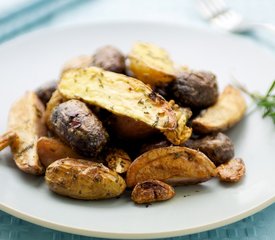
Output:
x,y
265,26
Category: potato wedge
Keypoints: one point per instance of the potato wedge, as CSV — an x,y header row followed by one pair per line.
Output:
x,y
118,160
119,94
151,64
181,133
52,149
83,179
232,171
7,139
26,120
54,101
173,165
226,112
152,191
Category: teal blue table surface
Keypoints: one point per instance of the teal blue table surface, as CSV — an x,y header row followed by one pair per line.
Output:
x,y
259,226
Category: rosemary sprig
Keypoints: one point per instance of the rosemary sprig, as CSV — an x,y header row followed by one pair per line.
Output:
x,y
266,102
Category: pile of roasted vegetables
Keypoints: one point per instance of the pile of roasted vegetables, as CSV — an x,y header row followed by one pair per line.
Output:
x,y
112,122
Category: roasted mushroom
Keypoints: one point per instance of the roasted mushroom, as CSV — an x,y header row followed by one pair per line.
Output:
x,y
75,124
195,89
109,58
218,147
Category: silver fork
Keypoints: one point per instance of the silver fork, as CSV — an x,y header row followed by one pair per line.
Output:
x,y
219,14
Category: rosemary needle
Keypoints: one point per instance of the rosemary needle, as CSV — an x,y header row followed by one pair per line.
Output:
x,y
266,102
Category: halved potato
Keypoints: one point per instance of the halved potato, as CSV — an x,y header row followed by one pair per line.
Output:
x,y
119,94
173,165
152,191
151,64
6,139
81,179
26,120
226,112
181,133
52,149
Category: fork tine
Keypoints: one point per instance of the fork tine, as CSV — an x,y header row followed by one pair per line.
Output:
x,y
212,8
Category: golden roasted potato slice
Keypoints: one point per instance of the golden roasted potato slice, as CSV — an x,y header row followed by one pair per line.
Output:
x,y
181,133
54,101
52,149
7,139
152,191
83,179
151,64
118,160
226,112
26,120
232,171
119,94
173,165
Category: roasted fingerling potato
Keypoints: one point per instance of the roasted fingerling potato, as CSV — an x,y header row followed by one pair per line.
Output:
x,y
225,113
7,139
82,179
52,149
26,120
151,64
46,91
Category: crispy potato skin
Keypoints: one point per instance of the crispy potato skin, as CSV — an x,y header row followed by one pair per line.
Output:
x,y
26,120
225,113
75,124
232,171
118,94
46,91
173,165
7,139
52,149
218,147
151,64
152,191
81,179
109,58
195,89
118,160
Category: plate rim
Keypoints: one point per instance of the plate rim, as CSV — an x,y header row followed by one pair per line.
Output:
x,y
87,232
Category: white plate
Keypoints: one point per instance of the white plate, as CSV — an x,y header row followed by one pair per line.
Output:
x,y
29,61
